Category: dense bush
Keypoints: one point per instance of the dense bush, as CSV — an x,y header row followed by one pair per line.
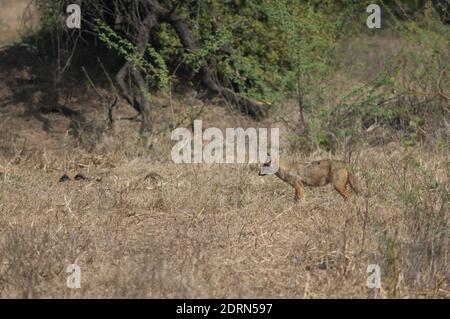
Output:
x,y
271,51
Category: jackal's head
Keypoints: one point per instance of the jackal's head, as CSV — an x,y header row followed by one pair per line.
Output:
x,y
268,167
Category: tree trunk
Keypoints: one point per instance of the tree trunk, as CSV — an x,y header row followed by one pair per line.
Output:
x,y
256,109
150,13
142,105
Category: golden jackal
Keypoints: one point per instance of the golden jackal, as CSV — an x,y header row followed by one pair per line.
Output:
x,y
317,173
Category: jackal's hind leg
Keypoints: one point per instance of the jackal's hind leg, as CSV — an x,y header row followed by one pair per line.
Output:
x,y
344,192
340,180
299,191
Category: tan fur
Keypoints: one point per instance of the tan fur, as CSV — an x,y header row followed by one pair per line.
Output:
x,y
315,174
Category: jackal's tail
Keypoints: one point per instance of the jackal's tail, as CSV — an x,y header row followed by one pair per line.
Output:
x,y
352,182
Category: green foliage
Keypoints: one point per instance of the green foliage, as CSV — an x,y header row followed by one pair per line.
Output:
x,y
155,71
211,46
409,91
308,38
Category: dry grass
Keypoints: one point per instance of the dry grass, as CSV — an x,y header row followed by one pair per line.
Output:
x,y
219,230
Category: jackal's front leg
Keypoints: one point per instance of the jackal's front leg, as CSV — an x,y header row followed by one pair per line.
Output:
x,y
299,191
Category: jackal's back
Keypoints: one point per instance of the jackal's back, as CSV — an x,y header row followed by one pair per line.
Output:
x,y
318,173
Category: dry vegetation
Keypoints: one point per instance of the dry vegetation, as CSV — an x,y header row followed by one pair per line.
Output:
x,y
218,230
141,226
